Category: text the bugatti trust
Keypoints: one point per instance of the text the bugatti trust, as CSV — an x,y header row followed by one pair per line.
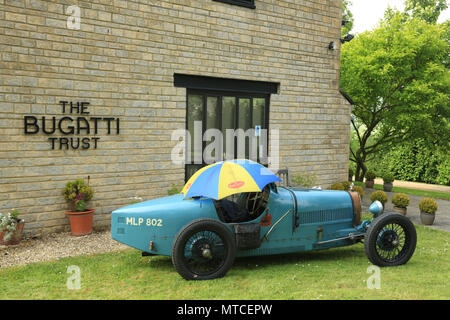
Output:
x,y
75,129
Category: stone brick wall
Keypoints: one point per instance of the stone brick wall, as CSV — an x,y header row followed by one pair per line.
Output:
x,y
122,62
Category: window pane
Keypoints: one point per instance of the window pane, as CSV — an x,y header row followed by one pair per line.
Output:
x,y
191,169
259,108
244,113
194,123
244,124
212,113
228,121
212,147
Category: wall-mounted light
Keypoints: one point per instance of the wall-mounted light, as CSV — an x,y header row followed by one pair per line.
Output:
x,y
347,38
332,46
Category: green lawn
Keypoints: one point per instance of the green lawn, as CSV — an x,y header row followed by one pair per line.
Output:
x,y
331,274
417,192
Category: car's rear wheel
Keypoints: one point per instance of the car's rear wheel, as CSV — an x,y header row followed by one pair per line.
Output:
x,y
204,249
390,240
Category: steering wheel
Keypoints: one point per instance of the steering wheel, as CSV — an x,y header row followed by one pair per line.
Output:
x,y
252,201
257,201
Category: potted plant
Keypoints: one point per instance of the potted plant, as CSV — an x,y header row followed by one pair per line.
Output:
x,y
388,178
360,190
346,185
77,193
350,174
400,202
380,196
428,208
11,228
370,178
337,186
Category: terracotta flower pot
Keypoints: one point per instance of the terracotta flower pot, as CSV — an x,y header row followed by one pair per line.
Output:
x,y
427,218
81,222
16,238
400,210
369,183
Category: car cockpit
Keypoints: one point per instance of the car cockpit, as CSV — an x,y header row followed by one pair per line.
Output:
x,y
243,207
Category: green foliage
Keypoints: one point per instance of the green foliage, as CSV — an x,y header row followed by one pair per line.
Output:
x,y
418,162
351,171
360,190
388,177
428,10
79,193
443,176
14,214
399,81
305,180
347,16
370,175
337,186
380,196
8,224
428,205
400,200
346,185
174,189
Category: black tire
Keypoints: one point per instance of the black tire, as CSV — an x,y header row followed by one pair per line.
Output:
x,y
390,240
192,239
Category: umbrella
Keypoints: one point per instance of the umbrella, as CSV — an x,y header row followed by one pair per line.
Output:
x,y
222,179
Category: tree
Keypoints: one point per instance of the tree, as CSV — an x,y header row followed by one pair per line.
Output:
x,y
347,17
398,79
428,10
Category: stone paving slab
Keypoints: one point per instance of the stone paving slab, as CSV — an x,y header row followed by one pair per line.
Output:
x,y
441,222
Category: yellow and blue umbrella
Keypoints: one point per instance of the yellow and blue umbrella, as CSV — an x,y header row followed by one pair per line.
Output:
x,y
222,179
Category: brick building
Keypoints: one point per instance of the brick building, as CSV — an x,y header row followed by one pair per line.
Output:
x,y
96,88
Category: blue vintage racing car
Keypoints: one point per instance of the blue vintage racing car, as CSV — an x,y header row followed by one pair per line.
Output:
x,y
204,236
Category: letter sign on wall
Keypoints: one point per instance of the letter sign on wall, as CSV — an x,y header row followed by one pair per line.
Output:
x,y
68,128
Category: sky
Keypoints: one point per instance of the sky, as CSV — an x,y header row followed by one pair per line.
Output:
x,y
367,13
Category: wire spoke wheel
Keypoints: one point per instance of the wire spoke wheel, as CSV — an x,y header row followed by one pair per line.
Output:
x,y
204,253
203,249
390,240
391,243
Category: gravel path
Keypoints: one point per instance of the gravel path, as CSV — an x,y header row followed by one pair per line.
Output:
x,y
55,246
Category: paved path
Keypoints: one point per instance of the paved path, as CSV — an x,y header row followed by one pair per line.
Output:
x,y
417,185
442,221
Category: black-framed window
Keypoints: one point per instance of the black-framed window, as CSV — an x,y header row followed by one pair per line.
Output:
x,y
225,103
242,3
222,110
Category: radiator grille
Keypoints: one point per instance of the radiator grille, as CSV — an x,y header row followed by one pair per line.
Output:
x,y
325,215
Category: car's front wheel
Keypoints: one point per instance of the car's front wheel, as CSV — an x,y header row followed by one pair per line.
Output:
x,y
390,240
203,249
